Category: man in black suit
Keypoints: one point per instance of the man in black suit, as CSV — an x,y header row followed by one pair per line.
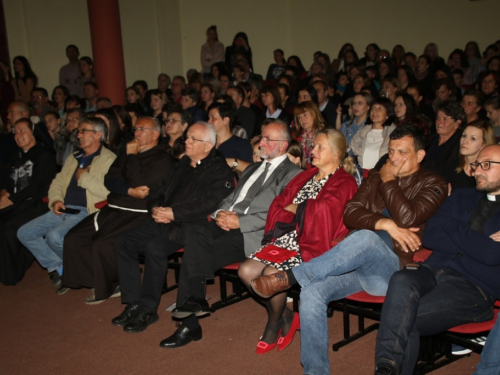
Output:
x,y
327,106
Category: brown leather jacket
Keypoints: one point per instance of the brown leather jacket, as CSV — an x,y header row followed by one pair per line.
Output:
x,y
410,200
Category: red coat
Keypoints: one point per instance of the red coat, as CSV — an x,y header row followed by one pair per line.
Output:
x,y
323,216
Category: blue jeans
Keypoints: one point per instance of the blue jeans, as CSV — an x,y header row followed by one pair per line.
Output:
x,y
425,302
361,262
490,360
49,250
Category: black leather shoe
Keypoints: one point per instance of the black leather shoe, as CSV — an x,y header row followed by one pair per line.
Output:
x,y
385,369
127,314
181,337
198,307
140,322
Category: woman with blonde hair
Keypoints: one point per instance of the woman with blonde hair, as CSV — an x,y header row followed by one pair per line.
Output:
x,y
301,223
308,121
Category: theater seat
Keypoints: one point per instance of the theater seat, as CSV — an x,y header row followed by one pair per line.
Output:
x,y
240,292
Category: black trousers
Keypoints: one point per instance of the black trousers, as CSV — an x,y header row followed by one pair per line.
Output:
x,y
150,240
89,255
207,249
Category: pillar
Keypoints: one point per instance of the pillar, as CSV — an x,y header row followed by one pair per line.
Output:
x,y
107,49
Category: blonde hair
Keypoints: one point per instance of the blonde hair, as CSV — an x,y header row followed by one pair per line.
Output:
x,y
338,143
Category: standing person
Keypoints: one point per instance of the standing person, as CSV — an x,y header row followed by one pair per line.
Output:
x,y
212,51
86,74
240,46
278,68
69,73
32,169
72,195
7,93
25,80
457,284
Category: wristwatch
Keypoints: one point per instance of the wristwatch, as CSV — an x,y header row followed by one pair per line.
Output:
x,y
235,163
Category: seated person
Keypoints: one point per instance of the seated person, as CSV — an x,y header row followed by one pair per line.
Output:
x,y
189,103
177,209
72,195
223,116
490,361
89,256
387,214
237,230
33,167
312,205
458,283
444,146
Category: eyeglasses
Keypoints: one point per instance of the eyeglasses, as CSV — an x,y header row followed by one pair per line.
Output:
x,y
83,131
265,139
141,129
172,120
193,139
485,165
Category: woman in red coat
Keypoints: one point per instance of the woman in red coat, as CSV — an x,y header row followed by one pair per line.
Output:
x,y
301,224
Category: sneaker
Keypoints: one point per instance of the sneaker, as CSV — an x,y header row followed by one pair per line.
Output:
x,y
460,350
62,290
55,279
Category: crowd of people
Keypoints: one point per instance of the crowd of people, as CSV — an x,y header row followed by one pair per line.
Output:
x,y
99,192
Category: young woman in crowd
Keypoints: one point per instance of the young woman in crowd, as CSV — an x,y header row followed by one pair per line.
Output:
x,y
59,96
320,193
405,77
211,52
296,154
25,80
371,142
404,106
386,69
487,82
271,99
308,121
297,62
458,60
207,95
473,56
475,137
339,63
308,94
115,140
389,88
86,74
360,106
240,47
158,100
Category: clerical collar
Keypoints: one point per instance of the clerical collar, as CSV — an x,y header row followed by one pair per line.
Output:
x,y
493,198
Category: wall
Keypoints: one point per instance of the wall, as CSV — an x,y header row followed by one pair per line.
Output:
x,y
166,35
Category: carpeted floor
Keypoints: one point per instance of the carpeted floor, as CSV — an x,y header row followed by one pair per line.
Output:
x,y
42,333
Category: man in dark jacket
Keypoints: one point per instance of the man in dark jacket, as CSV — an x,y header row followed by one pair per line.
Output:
x,y
458,283
187,195
388,214
89,257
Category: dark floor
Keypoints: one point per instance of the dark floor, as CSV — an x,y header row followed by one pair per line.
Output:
x,y
42,333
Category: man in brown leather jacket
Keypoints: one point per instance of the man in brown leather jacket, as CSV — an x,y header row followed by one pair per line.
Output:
x,y
387,215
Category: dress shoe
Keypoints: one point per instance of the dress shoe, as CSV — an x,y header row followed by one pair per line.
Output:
x,y
140,322
286,340
182,336
269,285
198,307
127,314
385,369
264,347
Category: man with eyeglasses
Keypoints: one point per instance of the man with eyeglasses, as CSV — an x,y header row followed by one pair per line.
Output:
x,y
67,138
457,284
235,232
72,196
89,256
178,211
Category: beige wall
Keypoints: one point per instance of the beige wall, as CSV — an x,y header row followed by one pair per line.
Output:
x,y
166,35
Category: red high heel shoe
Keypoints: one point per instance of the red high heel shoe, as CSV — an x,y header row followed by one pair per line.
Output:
x,y
264,347
286,340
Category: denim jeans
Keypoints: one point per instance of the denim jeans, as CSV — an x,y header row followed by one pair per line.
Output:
x,y
425,302
361,262
490,358
49,250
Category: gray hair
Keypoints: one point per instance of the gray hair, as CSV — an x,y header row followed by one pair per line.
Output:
x,y
98,125
284,129
211,134
154,120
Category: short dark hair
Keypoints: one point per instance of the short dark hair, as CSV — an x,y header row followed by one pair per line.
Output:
x,y
454,110
141,83
44,92
186,117
240,91
72,46
389,107
93,84
410,131
226,110
135,108
192,93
